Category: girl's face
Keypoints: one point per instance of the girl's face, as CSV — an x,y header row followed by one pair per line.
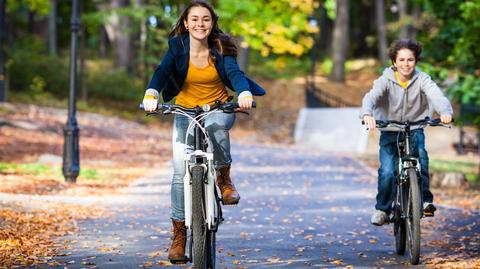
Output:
x,y
405,62
199,23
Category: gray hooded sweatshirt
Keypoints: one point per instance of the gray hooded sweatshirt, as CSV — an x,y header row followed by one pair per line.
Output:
x,y
387,100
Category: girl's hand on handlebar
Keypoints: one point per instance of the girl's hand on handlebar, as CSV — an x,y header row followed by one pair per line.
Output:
x,y
446,119
150,104
245,100
370,123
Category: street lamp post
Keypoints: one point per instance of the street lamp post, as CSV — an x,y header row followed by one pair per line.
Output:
x,y
311,98
71,159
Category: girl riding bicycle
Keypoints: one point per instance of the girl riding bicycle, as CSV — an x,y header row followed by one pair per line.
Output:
x,y
198,67
402,93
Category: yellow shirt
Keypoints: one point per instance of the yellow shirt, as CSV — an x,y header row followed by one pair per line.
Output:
x,y
201,86
403,84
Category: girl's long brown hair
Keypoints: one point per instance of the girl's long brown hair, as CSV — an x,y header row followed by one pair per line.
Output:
x,y
217,38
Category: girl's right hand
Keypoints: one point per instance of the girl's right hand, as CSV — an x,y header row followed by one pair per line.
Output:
x,y
150,103
369,122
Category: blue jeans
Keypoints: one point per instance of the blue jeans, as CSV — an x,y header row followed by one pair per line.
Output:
x,y
388,163
217,125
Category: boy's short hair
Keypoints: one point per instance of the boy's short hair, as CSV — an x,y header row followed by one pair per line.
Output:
x,y
410,44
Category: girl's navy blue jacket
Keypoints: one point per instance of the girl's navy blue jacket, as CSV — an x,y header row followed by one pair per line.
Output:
x,y
170,74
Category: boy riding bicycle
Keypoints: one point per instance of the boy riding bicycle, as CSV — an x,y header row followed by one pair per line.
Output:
x,y
402,93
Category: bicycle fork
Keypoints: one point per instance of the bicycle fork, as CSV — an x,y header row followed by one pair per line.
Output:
x,y
404,164
206,161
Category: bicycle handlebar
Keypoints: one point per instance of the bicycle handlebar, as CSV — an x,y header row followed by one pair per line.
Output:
x,y
402,124
227,107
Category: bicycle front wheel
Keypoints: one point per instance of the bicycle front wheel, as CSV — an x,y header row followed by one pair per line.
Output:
x,y
210,249
413,217
198,218
399,227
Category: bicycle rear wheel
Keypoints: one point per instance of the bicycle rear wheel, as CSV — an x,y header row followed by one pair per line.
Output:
x,y
198,218
399,227
413,217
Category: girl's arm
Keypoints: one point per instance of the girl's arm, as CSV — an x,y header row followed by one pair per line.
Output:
x,y
163,71
235,75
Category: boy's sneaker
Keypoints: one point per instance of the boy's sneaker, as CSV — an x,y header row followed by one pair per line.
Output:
x,y
379,218
429,209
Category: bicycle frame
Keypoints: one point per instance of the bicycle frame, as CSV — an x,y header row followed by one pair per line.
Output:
x,y
200,157
405,162
203,211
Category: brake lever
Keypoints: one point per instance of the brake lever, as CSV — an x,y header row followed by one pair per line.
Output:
x,y
167,112
241,111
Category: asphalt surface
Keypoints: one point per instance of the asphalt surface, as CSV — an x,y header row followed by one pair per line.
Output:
x,y
299,209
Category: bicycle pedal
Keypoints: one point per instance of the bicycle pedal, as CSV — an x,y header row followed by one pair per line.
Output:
x,y
231,203
180,261
235,203
428,214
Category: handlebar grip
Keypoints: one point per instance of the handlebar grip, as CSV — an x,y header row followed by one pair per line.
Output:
x,y
141,107
254,104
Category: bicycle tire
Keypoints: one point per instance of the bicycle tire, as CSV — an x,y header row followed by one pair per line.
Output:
x,y
211,249
198,218
399,228
413,217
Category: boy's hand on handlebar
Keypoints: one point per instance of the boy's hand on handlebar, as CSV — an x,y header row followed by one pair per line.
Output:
x,y
370,123
446,119
150,104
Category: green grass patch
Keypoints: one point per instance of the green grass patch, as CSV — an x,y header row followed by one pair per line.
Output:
x,y
91,174
469,168
27,168
49,171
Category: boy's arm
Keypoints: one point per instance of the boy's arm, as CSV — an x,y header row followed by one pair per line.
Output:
x,y
370,99
435,96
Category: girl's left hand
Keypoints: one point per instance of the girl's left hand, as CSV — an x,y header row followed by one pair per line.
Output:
x,y
245,100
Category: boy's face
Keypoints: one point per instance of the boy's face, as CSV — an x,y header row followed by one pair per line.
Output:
x,y
405,62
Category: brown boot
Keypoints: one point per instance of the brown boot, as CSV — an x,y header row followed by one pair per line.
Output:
x,y
230,195
176,254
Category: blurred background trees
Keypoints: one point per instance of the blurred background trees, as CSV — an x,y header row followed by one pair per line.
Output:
x,y
123,40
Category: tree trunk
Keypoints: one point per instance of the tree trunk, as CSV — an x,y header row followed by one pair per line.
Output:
x,y
31,21
52,28
416,13
142,42
325,35
381,32
243,52
402,10
103,43
117,28
3,90
340,41
83,86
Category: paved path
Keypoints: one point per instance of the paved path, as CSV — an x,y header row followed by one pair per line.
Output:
x,y
298,210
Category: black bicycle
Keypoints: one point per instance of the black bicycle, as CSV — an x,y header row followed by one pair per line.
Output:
x,y
203,211
407,206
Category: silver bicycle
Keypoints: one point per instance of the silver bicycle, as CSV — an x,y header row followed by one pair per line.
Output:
x,y
203,211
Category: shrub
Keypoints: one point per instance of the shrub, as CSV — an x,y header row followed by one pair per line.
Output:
x,y
114,85
31,71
